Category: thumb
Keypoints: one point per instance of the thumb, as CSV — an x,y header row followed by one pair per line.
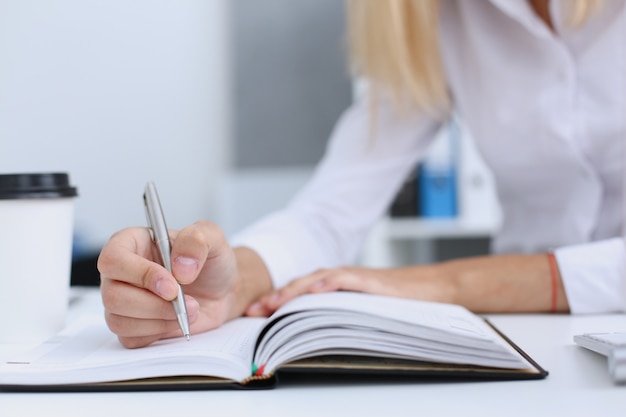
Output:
x,y
185,269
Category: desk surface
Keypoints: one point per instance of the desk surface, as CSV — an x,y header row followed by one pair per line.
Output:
x,y
578,385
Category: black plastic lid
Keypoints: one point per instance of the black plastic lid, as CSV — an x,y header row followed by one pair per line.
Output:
x,y
46,185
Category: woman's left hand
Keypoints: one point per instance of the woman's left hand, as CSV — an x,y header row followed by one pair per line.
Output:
x,y
396,282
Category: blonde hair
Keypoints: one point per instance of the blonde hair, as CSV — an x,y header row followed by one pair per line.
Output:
x,y
394,45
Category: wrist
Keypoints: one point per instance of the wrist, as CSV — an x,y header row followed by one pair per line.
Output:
x,y
435,282
446,278
506,284
252,281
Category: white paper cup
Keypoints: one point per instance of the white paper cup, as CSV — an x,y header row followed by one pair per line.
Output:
x,y
36,229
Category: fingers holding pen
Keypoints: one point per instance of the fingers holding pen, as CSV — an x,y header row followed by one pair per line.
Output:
x,y
139,317
202,250
190,249
136,291
134,332
127,258
129,301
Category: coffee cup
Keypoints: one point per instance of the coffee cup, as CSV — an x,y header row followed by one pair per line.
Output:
x,y
36,230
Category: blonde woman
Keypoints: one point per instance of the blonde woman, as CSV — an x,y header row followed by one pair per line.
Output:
x,y
540,85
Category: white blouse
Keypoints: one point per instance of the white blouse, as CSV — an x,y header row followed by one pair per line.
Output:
x,y
547,111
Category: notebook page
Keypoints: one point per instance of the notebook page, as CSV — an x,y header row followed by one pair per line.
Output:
x,y
446,317
87,351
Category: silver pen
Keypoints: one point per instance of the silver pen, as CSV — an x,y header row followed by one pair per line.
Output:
x,y
158,232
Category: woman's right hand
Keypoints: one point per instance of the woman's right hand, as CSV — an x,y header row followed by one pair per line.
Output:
x,y
219,282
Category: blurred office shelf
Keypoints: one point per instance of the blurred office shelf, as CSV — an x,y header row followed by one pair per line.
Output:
x,y
405,241
417,228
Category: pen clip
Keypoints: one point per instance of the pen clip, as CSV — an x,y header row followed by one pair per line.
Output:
x,y
146,207
157,225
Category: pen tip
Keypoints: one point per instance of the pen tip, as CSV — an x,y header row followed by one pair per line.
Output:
x,y
187,336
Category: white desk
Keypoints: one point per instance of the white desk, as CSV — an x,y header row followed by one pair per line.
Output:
x,y
578,385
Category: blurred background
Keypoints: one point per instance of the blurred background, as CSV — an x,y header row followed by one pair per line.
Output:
x,y
226,104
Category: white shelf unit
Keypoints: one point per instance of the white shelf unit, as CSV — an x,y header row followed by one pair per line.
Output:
x,y
407,228
403,241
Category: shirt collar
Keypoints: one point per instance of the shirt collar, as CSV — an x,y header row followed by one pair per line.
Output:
x,y
522,12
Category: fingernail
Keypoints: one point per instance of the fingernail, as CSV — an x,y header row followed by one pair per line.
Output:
x,y
254,308
185,269
166,288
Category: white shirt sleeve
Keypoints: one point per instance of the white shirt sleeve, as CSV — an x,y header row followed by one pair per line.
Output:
x,y
593,276
327,222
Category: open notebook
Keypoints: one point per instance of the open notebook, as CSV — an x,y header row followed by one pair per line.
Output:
x,y
323,333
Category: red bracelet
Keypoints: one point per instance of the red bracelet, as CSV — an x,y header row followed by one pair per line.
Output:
x,y
554,273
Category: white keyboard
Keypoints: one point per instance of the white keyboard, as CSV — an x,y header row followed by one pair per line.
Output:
x,y
611,345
